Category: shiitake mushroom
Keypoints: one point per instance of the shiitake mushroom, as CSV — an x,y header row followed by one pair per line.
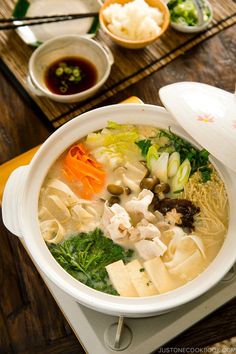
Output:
x,y
185,207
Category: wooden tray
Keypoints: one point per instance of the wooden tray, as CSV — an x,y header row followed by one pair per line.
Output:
x,y
15,54
24,159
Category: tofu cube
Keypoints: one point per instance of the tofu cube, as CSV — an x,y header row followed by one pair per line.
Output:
x,y
120,279
140,279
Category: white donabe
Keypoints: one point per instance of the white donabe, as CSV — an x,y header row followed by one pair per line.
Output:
x,y
20,216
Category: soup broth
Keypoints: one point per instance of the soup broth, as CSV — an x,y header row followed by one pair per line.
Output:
x,y
133,210
70,75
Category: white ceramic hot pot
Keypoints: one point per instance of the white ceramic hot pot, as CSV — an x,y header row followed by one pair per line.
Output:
x,y
20,215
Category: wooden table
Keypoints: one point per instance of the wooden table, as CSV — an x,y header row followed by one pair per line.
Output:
x,y
30,321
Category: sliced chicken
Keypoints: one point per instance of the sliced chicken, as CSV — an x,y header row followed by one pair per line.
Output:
x,y
116,221
134,234
148,249
140,205
147,230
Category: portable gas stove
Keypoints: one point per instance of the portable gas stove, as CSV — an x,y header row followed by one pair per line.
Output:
x,y
105,334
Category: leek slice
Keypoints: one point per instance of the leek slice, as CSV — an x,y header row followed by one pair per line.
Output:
x,y
173,164
159,167
152,156
181,177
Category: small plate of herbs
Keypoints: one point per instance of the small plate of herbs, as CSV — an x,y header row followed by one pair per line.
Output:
x,y
184,15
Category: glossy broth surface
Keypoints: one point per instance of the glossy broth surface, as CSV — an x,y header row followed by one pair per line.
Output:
x,y
133,210
70,75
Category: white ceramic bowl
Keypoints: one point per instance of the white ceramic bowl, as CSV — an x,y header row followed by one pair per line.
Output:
x,y
20,215
135,44
194,29
68,46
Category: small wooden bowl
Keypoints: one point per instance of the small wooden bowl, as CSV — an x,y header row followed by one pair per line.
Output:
x,y
135,44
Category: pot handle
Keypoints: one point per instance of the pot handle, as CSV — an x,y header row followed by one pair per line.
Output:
x,y
11,201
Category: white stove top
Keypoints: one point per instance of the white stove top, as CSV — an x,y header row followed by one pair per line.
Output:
x,y
97,331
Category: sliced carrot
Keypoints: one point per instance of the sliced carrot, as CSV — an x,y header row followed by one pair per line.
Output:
x,y
86,167
80,165
87,191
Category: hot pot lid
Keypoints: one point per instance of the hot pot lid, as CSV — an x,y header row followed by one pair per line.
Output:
x,y
208,114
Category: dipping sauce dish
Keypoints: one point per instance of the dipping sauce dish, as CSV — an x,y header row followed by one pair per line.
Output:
x,y
69,68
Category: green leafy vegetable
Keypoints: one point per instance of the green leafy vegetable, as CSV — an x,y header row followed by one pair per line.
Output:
x,y
197,158
85,256
20,8
95,25
116,143
184,12
114,125
121,137
205,173
94,140
144,146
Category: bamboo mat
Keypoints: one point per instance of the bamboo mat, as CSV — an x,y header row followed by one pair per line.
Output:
x,y
15,54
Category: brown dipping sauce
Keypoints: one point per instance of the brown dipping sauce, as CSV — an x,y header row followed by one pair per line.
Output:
x,y
70,75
